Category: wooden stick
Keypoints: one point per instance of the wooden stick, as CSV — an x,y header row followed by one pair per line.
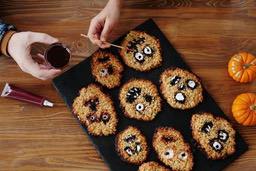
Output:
x,y
121,47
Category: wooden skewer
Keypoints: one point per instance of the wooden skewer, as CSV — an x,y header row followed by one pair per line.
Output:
x,y
121,47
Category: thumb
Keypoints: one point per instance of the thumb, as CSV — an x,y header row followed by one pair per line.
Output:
x,y
107,29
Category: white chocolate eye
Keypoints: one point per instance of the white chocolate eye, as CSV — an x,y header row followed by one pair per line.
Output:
x,y
191,84
128,151
147,50
168,154
138,148
217,146
180,97
183,156
103,72
139,107
222,135
139,56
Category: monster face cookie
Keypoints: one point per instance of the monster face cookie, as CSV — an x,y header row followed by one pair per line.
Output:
x,y
172,149
152,166
95,110
131,145
181,89
215,135
142,51
140,99
106,69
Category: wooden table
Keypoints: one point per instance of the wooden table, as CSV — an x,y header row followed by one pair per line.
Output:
x,y
205,32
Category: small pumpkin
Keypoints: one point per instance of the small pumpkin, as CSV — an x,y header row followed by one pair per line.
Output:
x,y
242,67
244,109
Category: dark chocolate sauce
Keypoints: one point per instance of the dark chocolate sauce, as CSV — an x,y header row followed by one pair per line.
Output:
x,y
57,55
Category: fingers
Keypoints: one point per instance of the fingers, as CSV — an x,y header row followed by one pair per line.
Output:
x,y
42,72
106,31
41,37
93,32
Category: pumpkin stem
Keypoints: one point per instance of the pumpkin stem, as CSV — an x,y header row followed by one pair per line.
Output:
x,y
245,66
253,107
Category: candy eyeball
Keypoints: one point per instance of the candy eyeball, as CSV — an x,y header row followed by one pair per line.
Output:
x,y
138,148
103,72
175,80
180,97
147,50
183,155
139,56
92,118
216,145
191,84
105,117
168,154
222,135
139,107
128,151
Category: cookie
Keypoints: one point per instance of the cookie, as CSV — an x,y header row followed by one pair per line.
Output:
x,y
214,135
152,166
140,99
95,110
172,150
131,145
141,51
181,89
106,69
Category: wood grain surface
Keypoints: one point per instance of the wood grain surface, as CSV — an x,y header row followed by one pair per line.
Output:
x,y
205,32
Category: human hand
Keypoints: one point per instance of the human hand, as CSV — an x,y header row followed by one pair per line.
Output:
x,y
19,50
103,24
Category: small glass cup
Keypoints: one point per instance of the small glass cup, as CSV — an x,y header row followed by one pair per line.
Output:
x,y
57,55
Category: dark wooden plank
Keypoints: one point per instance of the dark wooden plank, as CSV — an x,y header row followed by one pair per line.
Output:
x,y
208,31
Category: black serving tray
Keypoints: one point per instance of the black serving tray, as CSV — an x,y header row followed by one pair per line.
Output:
x,y
69,83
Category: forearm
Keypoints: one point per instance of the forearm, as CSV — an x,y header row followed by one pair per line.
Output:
x,y
6,32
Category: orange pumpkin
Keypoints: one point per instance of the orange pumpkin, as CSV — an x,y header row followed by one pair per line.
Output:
x,y
242,67
244,109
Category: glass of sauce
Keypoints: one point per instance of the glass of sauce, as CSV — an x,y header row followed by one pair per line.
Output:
x,y
57,55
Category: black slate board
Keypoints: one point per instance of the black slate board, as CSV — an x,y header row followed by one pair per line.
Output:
x,y
69,83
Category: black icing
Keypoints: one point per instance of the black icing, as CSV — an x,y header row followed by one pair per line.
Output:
x,y
92,104
148,98
105,118
223,135
216,145
175,80
132,94
132,45
181,86
110,69
207,127
166,153
104,59
130,138
167,139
